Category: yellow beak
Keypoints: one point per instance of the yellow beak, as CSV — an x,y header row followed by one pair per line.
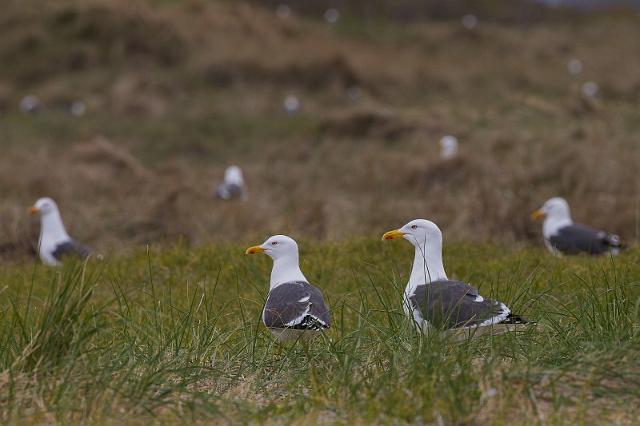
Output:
x,y
33,210
392,235
254,250
537,215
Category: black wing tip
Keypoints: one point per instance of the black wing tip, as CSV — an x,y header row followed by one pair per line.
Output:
x,y
516,319
311,323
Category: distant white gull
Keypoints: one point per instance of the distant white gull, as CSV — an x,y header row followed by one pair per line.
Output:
x,y
590,89
294,309
31,104
332,15
55,244
448,147
432,300
77,108
469,21
562,236
291,104
233,185
574,66
283,11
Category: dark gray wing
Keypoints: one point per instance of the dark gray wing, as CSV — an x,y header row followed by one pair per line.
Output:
x,y
228,191
574,239
453,304
296,305
70,248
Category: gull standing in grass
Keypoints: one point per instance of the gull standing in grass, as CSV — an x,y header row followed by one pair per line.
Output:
x,y
294,309
233,185
55,244
562,236
432,300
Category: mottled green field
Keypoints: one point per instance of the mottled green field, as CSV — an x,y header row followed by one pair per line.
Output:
x,y
174,335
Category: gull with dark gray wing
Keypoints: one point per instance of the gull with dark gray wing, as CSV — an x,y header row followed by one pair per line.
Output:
x,y
294,308
55,244
434,301
233,186
562,236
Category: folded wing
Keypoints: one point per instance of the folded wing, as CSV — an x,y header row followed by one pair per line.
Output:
x,y
454,304
297,305
574,239
70,249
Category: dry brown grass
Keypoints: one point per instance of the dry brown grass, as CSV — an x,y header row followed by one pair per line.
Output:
x,y
177,91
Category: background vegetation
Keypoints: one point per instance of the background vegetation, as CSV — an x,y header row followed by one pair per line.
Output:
x,y
176,91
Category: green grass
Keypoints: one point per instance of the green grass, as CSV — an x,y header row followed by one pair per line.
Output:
x,y
175,335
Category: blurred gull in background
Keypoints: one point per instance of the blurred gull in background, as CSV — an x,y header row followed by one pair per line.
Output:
x,y
77,108
354,93
31,104
233,186
448,147
283,10
291,104
469,21
55,244
332,15
590,89
563,236
574,66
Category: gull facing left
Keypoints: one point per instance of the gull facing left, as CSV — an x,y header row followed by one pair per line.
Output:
x,y
55,244
294,309
433,300
233,186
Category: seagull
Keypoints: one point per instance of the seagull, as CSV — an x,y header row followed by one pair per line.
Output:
x,y
332,15
433,300
448,147
55,244
31,104
562,236
294,309
291,104
233,186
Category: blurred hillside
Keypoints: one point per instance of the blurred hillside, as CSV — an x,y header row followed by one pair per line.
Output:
x,y
176,91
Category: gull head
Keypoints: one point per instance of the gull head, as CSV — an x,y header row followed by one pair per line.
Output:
x,y
276,247
553,208
233,175
419,232
44,206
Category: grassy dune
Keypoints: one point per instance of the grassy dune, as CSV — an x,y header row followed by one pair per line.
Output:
x,y
174,335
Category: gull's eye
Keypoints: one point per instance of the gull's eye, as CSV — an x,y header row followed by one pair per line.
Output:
x,y
414,226
274,243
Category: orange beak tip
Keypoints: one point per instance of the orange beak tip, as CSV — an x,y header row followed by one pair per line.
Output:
x,y
33,210
537,215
